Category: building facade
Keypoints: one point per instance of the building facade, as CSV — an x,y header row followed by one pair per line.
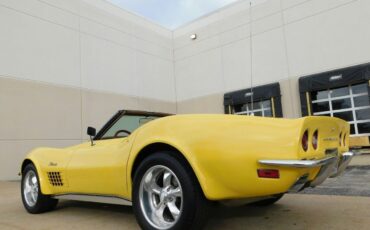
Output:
x,y
283,58
65,65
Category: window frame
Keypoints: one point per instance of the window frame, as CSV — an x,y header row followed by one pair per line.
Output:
x,y
352,109
116,117
262,109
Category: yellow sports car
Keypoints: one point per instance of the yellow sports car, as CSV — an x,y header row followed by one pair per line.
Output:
x,y
170,167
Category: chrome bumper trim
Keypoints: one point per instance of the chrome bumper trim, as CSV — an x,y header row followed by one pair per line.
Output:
x,y
299,184
331,166
299,163
325,171
343,163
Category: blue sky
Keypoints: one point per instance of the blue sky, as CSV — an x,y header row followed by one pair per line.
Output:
x,y
171,13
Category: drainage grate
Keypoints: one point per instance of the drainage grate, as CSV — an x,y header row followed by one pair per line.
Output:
x,y
55,179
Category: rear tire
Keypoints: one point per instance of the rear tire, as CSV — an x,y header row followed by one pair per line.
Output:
x,y
167,195
33,200
268,201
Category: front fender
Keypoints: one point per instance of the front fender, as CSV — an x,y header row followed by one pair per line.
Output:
x,y
49,160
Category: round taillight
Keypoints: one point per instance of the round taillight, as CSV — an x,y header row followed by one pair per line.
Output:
x,y
305,141
315,139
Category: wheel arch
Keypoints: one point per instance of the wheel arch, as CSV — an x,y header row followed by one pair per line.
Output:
x,y
176,152
45,189
25,163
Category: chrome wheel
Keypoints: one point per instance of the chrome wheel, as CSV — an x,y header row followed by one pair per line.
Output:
x,y
161,198
30,188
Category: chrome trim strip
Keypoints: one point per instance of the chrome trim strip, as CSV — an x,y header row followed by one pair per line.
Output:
x,y
325,171
331,166
95,198
343,163
299,163
299,184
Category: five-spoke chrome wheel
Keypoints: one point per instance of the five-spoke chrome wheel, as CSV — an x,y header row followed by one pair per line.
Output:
x,y
30,188
161,197
33,199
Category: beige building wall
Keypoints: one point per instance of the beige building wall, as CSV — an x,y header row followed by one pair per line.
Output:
x,y
66,65
290,39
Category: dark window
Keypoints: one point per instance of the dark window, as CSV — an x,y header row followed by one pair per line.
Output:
x,y
363,128
360,88
341,104
361,101
319,95
320,106
352,129
239,108
258,114
363,114
347,116
268,113
339,92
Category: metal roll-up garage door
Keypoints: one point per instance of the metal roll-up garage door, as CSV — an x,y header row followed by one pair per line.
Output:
x,y
266,101
342,93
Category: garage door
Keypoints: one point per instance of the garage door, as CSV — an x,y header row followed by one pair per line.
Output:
x,y
342,93
262,101
350,103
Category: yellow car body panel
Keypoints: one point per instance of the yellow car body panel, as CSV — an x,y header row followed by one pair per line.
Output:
x,y
222,150
98,169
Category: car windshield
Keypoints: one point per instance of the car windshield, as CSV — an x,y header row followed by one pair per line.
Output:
x,y
125,125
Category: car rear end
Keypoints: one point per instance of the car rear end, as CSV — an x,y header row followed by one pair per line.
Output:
x,y
322,152
237,157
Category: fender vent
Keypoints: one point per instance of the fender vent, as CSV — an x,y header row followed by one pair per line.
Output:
x,y
55,179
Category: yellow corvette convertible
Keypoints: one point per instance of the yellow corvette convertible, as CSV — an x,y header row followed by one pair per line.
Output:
x,y
170,167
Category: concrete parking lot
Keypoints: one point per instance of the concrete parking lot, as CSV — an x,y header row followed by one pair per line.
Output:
x,y
294,211
355,182
344,205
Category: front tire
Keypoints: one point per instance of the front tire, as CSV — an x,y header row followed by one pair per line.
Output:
x,y
166,194
33,200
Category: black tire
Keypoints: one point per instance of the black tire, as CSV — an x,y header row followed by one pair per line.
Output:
x,y
44,203
268,201
195,206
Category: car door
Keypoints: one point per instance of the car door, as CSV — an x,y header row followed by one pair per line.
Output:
x,y
99,169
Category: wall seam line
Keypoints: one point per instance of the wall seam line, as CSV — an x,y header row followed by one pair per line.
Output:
x,y
174,73
111,27
78,31
80,52
274,28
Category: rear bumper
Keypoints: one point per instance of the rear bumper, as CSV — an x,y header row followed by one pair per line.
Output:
x,y
331,166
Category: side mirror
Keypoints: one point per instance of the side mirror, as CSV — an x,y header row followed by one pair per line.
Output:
x,y
92,133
